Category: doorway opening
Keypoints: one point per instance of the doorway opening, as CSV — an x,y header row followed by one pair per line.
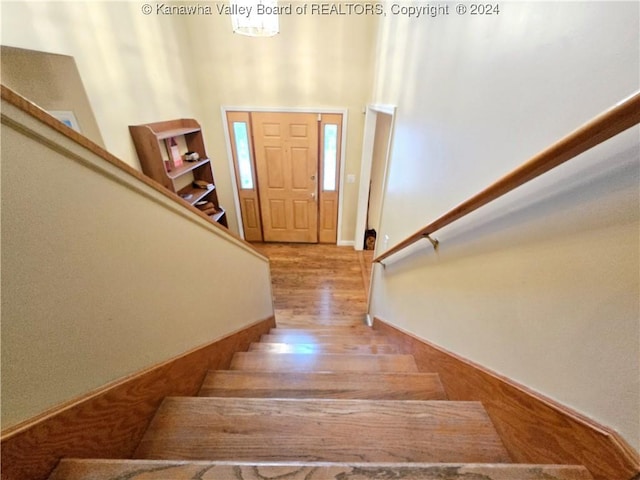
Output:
x,y
378,137
287,167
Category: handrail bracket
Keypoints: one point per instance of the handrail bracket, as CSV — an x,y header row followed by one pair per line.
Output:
x,y
434,241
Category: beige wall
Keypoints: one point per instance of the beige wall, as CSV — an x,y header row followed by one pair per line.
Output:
x,y
52,82
145,68
543,285
320,61
103,276
134,67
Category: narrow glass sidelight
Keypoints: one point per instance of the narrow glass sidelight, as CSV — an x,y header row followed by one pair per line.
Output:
x,y
330,157
243,156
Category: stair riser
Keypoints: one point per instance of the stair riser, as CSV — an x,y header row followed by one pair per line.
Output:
x,y
367,339
288,362
318,329
420,386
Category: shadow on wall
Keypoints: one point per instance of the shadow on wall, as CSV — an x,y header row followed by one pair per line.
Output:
x,y
52,82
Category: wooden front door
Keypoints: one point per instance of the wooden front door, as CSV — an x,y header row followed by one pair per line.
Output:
x,y
286,155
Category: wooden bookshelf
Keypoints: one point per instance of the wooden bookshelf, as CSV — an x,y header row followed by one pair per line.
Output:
x,y
149,140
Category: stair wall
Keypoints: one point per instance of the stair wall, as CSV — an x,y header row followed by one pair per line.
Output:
x,y
104,275
542,284
109,423
533,428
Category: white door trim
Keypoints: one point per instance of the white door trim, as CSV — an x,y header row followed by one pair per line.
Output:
x,y
236,199
370,120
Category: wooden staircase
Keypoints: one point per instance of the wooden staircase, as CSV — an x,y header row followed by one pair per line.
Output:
x,y
319,403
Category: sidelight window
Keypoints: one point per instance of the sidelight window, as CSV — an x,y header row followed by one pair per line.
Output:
x,y
330,157
243,155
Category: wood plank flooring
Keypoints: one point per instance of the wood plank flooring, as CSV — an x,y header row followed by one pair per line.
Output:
x,y
315,348
316,285
327,330
312,337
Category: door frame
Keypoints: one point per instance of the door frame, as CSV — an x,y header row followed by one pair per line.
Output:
x,y
227,136
370,120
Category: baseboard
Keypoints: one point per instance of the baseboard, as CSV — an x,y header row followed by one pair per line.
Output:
x,y
534,429
109,422
346,243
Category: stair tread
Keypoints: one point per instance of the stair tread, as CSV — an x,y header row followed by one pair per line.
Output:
x,y
328,362
295,318
236,429
365,339
83,469
400,386
356,329
321,348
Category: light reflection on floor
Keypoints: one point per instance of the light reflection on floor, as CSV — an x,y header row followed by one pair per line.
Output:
x,y
293,348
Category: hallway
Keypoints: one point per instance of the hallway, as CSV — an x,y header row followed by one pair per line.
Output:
x,y
317,285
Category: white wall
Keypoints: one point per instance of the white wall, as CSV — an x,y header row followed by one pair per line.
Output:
x,y
145,68
543,285
103,276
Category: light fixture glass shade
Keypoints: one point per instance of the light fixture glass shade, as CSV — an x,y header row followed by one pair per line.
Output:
x,y
255,18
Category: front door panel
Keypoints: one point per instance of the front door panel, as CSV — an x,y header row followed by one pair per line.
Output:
x,y
286,153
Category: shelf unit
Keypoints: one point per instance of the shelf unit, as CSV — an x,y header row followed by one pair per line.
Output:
x,y
150,141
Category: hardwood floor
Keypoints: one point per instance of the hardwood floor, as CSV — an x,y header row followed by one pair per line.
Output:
x,y
314,338
316,284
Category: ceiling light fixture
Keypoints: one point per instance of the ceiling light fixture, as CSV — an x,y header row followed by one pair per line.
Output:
x,y
255,18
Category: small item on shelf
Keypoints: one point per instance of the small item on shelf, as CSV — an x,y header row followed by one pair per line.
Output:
x,y
201,202
174,152
186,196
205,205
208,208
191,156
202,184
210,211
167,165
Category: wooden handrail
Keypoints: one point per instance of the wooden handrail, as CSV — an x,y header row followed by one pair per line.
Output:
x,y
619,118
